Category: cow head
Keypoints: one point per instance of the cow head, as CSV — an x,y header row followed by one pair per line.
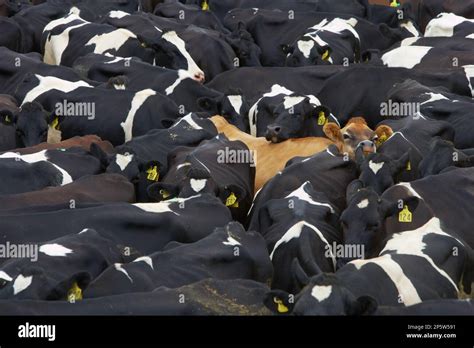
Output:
x,y
323,295
31,124
356,134
379,171
299,120
170,52
442,154
363,220
244,46
232,106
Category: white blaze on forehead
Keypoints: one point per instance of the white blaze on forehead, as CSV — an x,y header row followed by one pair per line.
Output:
x,y
404,286
321,292
405,56
444,24
138,100
182,75
410,28
236,102
198,184
39,157
305,47
173,38
231,241
301,194
54,250
469,69
375,167
189,120
118,267
411,243
21,283
363,204
145,259
295,232
5,276
291,101
123,160
110,41
56,44
118,14
434,97
47,83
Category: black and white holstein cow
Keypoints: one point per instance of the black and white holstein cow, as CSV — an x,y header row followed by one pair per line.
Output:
x,y
415,266
76,108
281,114
228,253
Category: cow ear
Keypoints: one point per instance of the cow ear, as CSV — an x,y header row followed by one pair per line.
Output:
x,y
7,117
402,163
353,188
232,195
152,170
383,132
325,52
321,113
388,209
161,191
279,302
333,132
363,305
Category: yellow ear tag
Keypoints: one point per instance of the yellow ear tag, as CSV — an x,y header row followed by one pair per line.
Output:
x,y
153,174
55,123
143,45
205,5
322,120
281,308
75,293
382,139
7,119
231,201
408,166
394,3
165,194
325,55
405,215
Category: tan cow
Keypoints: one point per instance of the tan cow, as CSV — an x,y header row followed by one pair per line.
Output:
x,y
271,158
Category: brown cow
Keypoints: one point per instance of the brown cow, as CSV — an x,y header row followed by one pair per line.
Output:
x,y
88,189
271,158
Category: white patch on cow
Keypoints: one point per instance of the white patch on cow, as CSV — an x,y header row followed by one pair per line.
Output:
x,y
363,204
162,207
119,87
116,59
138,100
305,47
39,157
21,283
5,276
410,189
173,38
375,167
236,102
410,27
182,75
321,292
405,56
189,120
198,184
295,232
411,243
110,41
469,69
274,91
118,267
145,259
54,249
404,286
444,24
84,231
47,83
410,41
231,241
434,97
301,194
330,153
56,44
118,14
123,161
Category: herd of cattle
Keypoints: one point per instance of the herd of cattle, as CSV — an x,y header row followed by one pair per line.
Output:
x,y
236,157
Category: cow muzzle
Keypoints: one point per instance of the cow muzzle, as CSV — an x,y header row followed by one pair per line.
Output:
x,y
367,146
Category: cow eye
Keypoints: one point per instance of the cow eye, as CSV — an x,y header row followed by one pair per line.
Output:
x,y
347,136
375,138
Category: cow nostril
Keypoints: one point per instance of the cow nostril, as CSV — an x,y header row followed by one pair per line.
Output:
x,y
277,129
200,77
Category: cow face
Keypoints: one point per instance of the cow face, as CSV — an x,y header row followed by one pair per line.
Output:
x,y
298,120
356,134
306,52
31,124
244,46
443,154
324,295
233,107
378,171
